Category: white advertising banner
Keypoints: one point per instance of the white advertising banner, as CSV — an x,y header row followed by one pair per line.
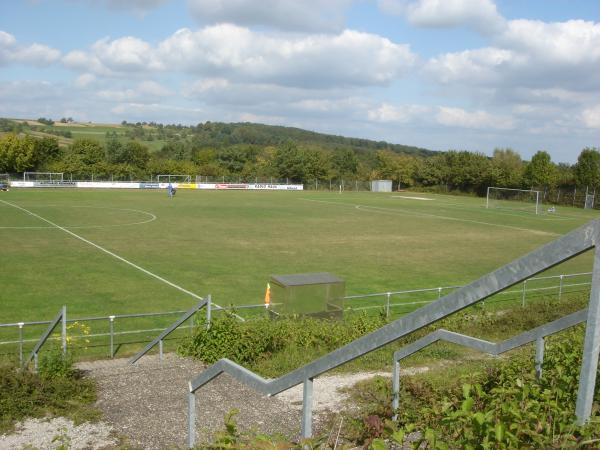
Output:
x,y
108,184
150,185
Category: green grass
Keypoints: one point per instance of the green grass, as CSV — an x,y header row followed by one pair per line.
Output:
x,y
229,243
25,394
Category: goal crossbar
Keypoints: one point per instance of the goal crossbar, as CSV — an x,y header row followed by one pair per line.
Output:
x,y
175,177
533,196
48,176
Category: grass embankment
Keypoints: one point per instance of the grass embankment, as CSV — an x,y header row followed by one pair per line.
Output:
x,y
56,390
273,348
463,401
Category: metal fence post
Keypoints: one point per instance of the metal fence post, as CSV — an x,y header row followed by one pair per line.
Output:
x,y
387,306
439,292
208,311
307,409
523,294
591,347
539,357
396,388
112,335
191,420
160,350
64,330
20,324
560,287
35,362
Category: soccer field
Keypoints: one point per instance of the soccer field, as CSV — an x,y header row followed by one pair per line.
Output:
x,y
229,243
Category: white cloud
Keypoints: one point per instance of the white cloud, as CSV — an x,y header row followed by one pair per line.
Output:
x,y
481,66
139,7
126,54
226,51
34,54
529,54
481,15
458,117
144,92
308,61
85,80
591,117
288,15
387,113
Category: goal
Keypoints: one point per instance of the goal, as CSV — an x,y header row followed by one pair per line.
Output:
x,y
168,178
516,199
53,177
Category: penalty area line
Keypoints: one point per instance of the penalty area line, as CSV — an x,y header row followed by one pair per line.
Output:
x,y
108,252
400,211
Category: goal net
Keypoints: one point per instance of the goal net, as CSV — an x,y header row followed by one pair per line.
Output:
x,y
170,178
515,199
43,176
589,201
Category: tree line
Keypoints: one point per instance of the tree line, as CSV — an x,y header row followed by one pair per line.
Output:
x,y
302,161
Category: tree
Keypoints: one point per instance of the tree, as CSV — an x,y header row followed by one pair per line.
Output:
x,y
174,150
541,171
587,168
316,165
135,154
506,168
17,154
46,150
113,148
344,163
88,151
467,170
288,162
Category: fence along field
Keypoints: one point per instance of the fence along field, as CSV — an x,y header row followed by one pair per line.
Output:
x,y
229,243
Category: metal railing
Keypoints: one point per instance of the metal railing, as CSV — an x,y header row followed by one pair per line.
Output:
x,y
549,255
521,293
111,321
159,339
537,334
61,318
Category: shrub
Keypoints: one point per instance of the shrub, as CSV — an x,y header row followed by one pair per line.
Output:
x,y
56,390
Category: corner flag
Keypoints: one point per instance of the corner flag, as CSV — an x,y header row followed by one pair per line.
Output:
x,y
268,296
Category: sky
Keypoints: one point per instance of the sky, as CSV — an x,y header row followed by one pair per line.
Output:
x,y
440,74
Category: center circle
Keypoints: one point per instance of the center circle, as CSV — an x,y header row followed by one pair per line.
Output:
x,y
145,217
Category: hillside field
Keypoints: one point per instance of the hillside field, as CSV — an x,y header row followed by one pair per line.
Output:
x,y
229,243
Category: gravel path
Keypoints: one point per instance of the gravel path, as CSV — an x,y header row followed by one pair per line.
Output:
x,y
146,405
51,434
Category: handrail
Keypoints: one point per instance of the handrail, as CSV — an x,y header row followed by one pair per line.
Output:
x,y
549,255
61,317
159,339
536,334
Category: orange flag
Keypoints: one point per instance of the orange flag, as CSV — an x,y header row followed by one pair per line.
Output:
x,y
268,296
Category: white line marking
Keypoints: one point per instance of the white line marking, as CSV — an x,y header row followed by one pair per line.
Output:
x,y
411,198
108,252
397,211
151,219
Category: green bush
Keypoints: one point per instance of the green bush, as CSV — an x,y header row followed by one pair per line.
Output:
x,y
502,406
53,391
250,342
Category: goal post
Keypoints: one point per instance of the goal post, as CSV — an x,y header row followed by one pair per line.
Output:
x,y
43,176
177,178
515,199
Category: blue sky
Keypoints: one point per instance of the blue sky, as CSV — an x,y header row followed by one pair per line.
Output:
x,y
440,74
